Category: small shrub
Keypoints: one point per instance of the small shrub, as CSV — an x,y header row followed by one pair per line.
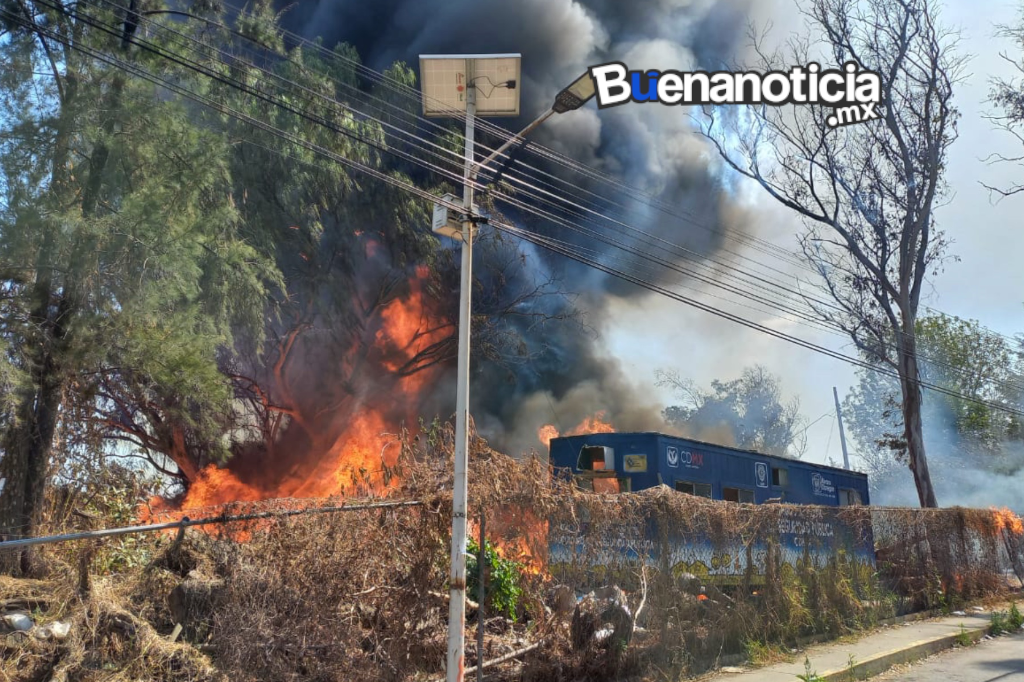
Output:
x,y
999,624
764,653
807,675
504,589
964,638
1015,618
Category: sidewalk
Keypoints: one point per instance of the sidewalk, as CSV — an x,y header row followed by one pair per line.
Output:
x,y
871,654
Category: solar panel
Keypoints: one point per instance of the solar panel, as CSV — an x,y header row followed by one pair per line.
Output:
x,y
446,78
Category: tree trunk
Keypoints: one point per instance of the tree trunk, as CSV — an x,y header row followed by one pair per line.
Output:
x,y
913,430
178,451
26,462
25,466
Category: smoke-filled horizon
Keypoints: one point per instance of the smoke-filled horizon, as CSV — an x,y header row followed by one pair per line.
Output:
x,y
966,471
571,374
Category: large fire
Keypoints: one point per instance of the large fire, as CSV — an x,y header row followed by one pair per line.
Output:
x,y
349,449
595,423
338,456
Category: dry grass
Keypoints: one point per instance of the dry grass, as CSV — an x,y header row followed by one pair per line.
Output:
x,y
106,641
362,595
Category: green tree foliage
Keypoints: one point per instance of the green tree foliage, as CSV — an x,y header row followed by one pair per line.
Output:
x,y
749,412
959,355
193,288
123,255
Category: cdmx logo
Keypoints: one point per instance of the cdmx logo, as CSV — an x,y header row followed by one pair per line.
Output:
x,y
675,456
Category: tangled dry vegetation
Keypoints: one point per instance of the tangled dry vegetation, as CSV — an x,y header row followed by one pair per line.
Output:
x,y
362,595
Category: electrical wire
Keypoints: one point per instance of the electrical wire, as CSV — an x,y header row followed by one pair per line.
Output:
x,y
415,97
537,238
812,320
114,31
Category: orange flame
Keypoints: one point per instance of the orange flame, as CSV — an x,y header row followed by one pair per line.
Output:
x,y
1008,521
546,433
517,534
349,457
595,423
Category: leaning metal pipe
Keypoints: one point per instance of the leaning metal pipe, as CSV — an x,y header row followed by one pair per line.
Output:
x,y
186,522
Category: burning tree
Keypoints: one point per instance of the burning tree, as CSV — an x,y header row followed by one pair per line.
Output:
x,y
353,340
866,192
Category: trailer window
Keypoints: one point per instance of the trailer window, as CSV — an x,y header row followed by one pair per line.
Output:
x,y
692,488
738,495
595,458
780,476
848,497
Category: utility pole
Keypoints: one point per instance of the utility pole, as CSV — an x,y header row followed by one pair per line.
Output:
x,y
842,433
457,577
442,96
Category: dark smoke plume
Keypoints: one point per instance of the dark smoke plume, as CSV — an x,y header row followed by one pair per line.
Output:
x,y
650,147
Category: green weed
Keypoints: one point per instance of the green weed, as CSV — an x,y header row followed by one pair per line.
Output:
x,y
504,590
809,676
999,623
1015,618
764,653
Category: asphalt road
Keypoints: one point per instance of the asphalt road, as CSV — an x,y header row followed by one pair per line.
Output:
x,y
996,660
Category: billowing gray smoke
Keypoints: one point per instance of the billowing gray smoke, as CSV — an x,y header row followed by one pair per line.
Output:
x,y
965,472
651,147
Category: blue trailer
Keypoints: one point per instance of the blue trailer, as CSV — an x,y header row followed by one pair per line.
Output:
x,y
630,462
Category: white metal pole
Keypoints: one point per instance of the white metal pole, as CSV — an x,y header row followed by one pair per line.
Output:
x,y
457,578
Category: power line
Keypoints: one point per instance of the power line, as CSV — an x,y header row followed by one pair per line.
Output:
x,y
538,239
415,96
121,64
539,194
812,319
541,240
453,174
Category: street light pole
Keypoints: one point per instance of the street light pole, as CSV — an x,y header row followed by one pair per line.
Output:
x,y
572,97
436,72
457,577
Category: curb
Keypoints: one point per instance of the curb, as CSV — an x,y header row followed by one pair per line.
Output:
x,y
826,638
881,662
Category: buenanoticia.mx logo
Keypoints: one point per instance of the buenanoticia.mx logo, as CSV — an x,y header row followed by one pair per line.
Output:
x,y
852,92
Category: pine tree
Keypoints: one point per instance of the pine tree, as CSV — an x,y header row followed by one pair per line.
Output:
x,y
122,252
